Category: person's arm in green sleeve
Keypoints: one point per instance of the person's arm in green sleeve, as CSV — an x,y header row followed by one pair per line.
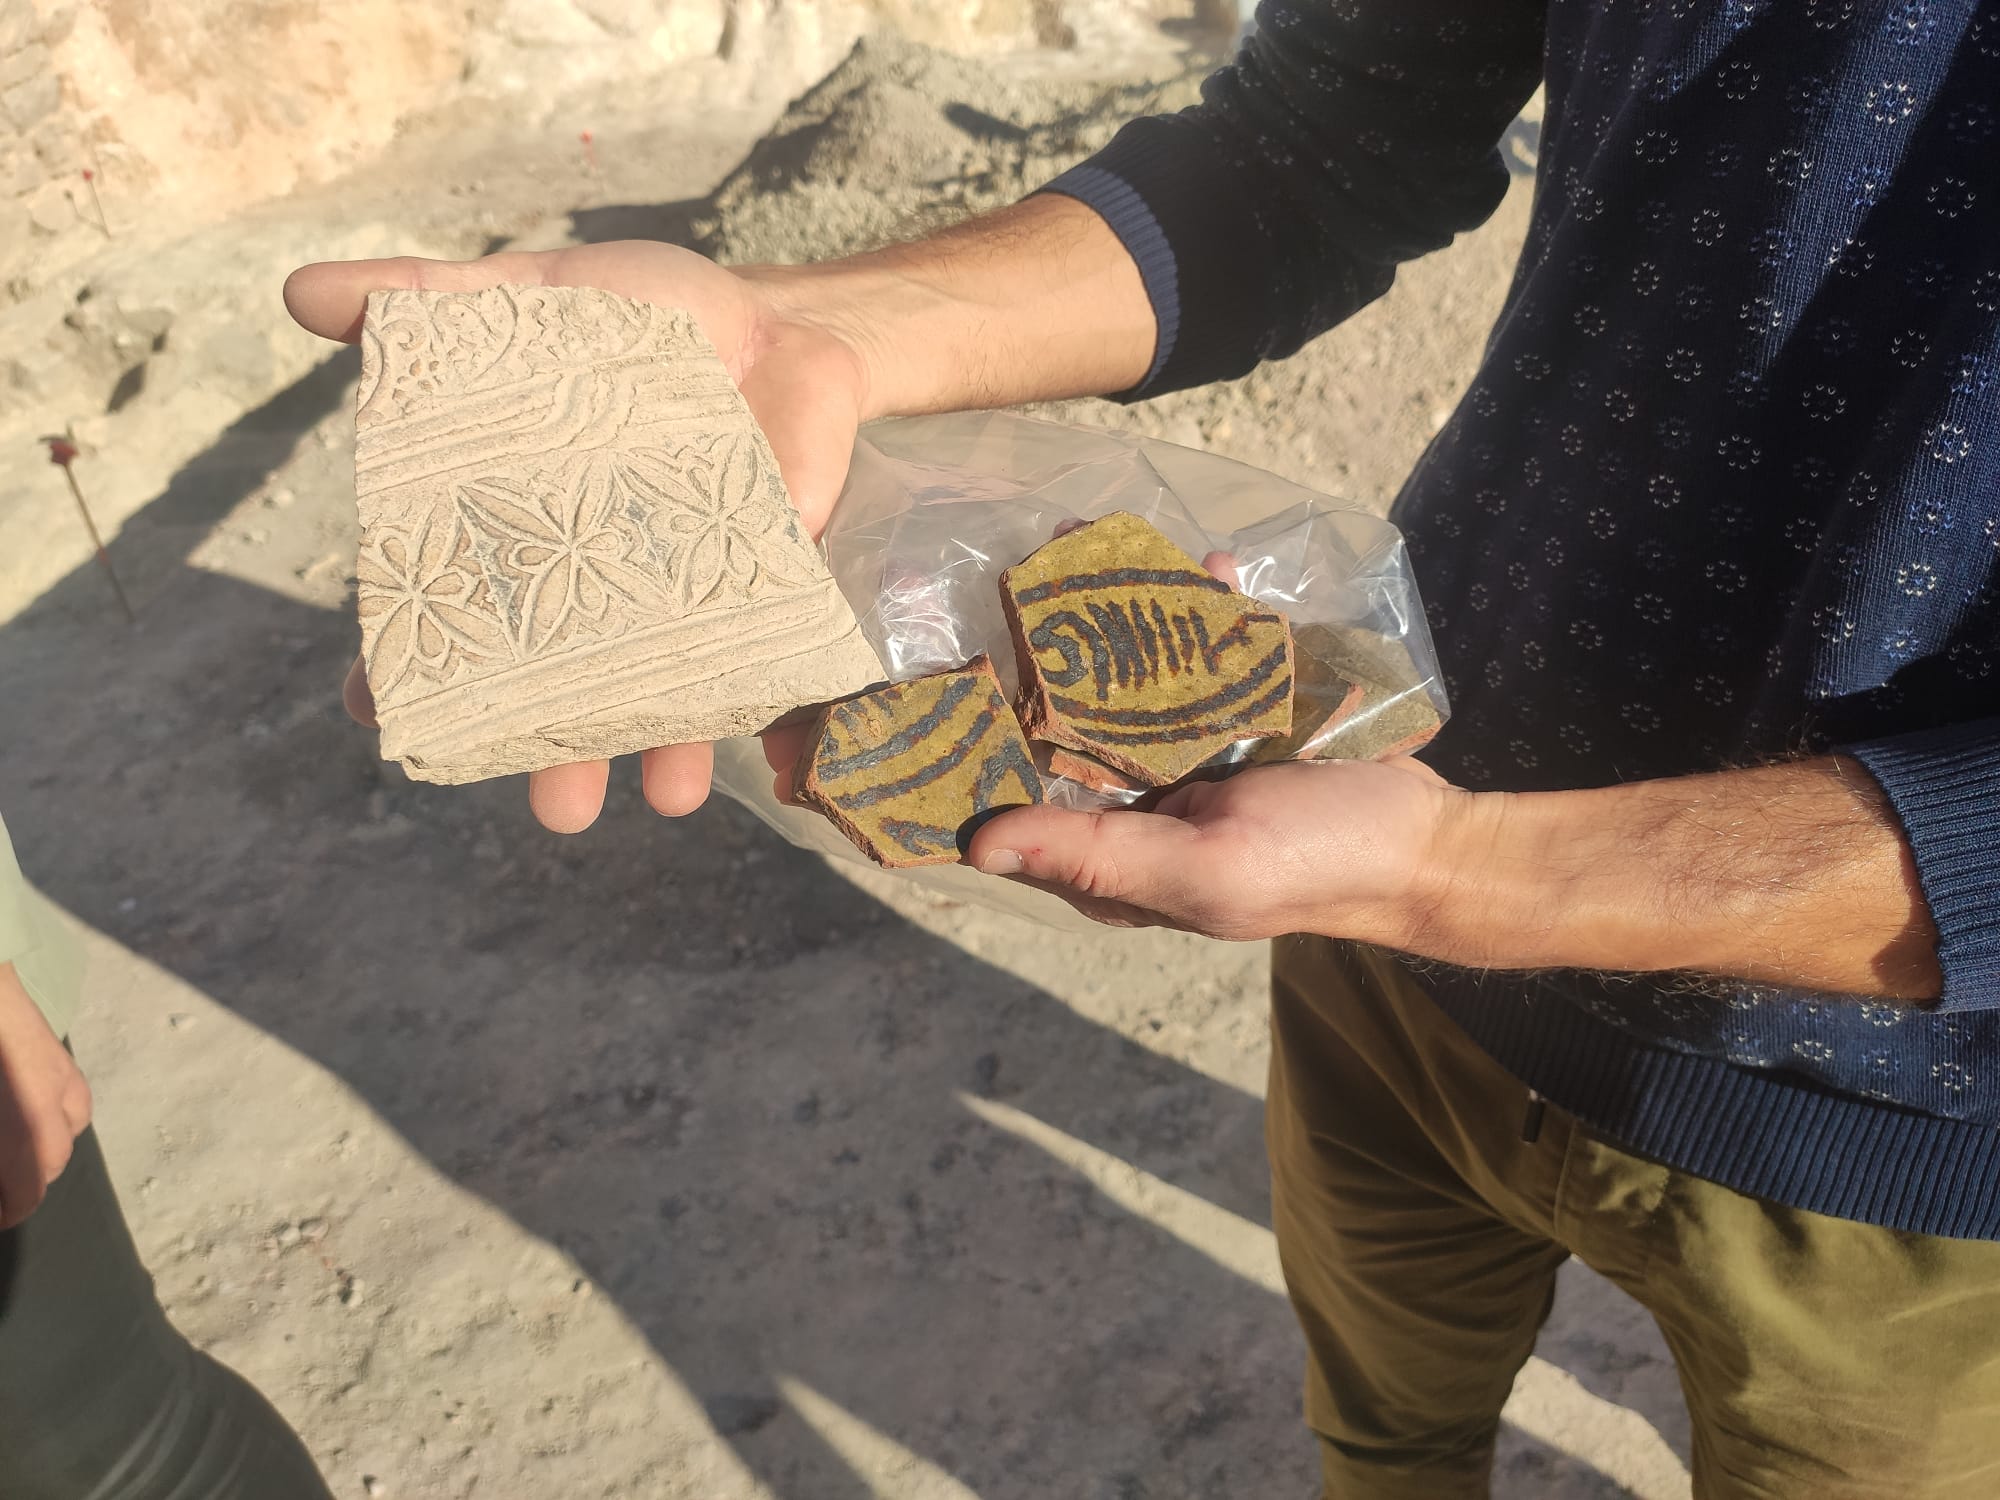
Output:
x,y
44,1101
47,959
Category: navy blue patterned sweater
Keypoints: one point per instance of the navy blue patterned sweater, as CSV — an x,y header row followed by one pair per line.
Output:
x,y
1726,487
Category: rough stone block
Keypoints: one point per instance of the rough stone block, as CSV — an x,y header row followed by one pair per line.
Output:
x,y
14,230
18,23
20,172
27,63
1132,654
908,771
575,541
57,146
25,103
51,209
60,23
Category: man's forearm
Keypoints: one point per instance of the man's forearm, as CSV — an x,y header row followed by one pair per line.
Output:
x,y
1036,302
1793,875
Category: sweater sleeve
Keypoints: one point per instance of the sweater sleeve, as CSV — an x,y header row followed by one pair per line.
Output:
x,y
46,957
1944,785
1347,136
18,933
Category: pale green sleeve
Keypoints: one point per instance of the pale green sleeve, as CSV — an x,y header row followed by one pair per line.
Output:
x,y
38,943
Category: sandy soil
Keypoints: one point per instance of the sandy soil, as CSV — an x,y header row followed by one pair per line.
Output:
x,y
665,1161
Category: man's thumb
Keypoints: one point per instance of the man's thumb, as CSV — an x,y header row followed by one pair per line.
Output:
x,y
1137,858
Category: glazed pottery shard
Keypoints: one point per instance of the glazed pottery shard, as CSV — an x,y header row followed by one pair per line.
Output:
x,y
1074,765
1359,698
907,771
1132,654
574,539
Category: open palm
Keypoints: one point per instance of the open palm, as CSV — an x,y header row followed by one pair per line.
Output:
x,y
1335,847
804,383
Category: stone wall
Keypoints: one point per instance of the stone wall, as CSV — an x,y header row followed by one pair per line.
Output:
x,y
41,158
187,110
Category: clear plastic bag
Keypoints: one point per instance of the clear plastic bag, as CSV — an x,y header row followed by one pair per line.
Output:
x,y
936,508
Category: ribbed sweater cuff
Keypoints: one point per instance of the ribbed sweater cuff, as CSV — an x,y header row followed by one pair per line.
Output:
x,y
1118,203
1180,212
1945,787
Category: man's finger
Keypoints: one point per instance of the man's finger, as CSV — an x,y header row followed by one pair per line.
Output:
x,y
811,438
53,1145
356,698
1221,565
76,1104
675,778
567,799
19,1194
21,1183
786,746
1137,859
16,1203
329,297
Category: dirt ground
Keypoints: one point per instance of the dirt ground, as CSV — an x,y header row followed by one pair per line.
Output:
x,y
666,1160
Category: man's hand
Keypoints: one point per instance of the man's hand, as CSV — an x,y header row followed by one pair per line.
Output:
x,y
1792,875
44,1103
1276,849
1037,302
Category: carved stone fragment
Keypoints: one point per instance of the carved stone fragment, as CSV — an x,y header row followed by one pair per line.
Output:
x,y
1132,654
908,771
574,539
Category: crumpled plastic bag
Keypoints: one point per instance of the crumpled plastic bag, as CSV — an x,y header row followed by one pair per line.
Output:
x,y
936,508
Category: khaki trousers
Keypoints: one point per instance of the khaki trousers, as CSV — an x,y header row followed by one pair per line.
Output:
x,y
1420,1235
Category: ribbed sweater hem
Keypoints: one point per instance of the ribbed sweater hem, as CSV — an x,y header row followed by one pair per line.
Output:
x,y
1945,787
1118,203
1760,1132
1158,188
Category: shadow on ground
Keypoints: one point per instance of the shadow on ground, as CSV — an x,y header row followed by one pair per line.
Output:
x,y
727,1082
671,222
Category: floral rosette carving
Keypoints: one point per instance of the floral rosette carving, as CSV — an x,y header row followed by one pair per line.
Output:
x,y
574,537
425,604
720,510
412,356
549,341
555,552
